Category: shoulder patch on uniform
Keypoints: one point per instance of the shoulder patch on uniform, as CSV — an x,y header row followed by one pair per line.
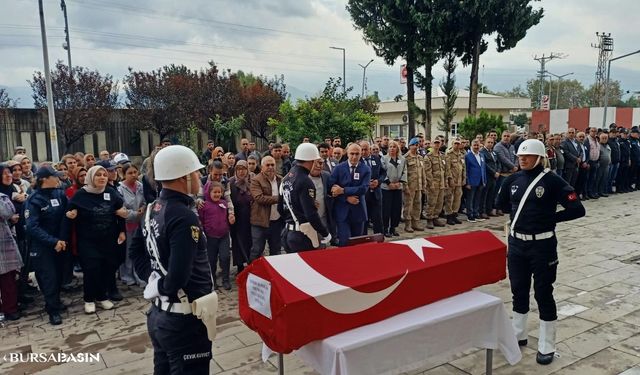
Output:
x,y
572,197
539,191
157,207
26,214
195,233
312,193
514,188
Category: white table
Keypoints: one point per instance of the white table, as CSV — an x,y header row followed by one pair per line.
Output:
x,y
407,341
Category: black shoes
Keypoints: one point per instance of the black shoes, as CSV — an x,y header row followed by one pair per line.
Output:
x,y
387,234
12,316
523,342
544,359
115,296
55,319
226,285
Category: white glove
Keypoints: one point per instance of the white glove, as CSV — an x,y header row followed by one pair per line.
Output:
x,y
151,290
326,240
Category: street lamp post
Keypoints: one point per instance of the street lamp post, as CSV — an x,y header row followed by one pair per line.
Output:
x,y
558,84
53,134
606,87
344,70
364,72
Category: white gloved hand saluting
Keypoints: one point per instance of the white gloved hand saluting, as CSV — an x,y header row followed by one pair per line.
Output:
x,y
326,240
151,290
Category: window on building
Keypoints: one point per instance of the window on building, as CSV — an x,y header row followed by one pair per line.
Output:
x,y
454,130
394,131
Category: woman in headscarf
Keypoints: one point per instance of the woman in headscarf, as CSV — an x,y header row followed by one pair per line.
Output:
x,y
65,180
25,163
242,199
21,191
131,191
22,186
230,161
10,260
98,212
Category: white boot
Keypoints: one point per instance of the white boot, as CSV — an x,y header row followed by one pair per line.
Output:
x,y
546,342
519,322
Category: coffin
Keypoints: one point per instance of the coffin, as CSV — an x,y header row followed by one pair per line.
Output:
x,y
293,299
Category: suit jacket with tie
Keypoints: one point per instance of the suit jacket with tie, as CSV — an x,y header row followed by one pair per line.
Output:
x,y
329,165
356,184
377,173
571,153
476,172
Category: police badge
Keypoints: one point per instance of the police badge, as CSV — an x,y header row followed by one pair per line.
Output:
x,y
195,233
539,191
312,193
514,188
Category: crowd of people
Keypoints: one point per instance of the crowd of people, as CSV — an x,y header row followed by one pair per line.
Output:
x,y
80,214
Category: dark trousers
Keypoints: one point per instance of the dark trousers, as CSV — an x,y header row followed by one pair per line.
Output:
x,y
49,267
473,201
581,181
488,196
622,177
374,212
592,178
571,176
9,293
633,175
602,184
98,275
391,209
180,343
219,249
261,235
348,229
540,260
611,179
296,241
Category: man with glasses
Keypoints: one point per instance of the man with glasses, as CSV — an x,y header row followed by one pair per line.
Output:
x,y
349,183
573,157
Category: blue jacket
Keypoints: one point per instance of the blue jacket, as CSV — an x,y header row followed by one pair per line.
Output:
x,y
356,186
476,173
377,173
44,213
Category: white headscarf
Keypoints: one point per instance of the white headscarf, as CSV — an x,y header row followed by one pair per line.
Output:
x,y
90,184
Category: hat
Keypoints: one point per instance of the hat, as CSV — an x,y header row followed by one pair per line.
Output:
x,y
47,171
121,158
21,148
20,158
437,140
413,141
107,164
622,130
635,130
457,140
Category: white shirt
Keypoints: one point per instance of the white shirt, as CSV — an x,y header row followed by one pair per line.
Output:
x,y
275,215
477,155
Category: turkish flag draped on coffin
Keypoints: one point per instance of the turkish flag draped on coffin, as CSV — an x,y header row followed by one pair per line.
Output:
x,y
293,299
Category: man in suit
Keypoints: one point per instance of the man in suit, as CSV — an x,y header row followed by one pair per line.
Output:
x,y
573,157
488,195
349,183
324,201
328,163
374,194
476,169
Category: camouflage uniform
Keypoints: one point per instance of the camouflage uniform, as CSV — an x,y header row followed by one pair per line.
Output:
x,y
435,168
412,192
456,178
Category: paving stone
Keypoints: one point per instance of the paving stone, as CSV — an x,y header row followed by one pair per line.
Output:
x,y
476,363
629,346
239,357
444,370
596,339
607,361
568,327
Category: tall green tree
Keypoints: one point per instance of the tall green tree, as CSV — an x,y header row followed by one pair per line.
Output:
x,y
5,100
569,92
448,87
481,124
615,95
508,19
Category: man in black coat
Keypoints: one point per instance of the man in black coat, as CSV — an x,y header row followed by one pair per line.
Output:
x,y
374,194
572,157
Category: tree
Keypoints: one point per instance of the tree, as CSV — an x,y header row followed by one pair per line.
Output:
x,y
331,113
83,100
515,92
5,101
520,120
226,131
571,94
481,124
261,99
508,19
448,87
615,95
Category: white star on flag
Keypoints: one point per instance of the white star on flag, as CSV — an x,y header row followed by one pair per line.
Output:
x,y
417,244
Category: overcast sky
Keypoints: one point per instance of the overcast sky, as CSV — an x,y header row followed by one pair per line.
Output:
x,y
289,37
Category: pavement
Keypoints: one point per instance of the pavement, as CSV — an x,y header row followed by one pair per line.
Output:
x,y
597,293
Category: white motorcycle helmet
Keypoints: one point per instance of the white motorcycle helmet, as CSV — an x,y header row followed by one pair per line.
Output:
x,y
532,147
173,162
307,152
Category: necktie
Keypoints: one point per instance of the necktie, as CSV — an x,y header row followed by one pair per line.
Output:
x,y
353,170
329,165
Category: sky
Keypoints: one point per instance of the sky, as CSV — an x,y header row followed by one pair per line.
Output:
x,y
290,38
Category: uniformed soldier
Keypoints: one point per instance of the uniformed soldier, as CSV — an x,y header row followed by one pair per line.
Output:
x,y
456,178
170,251
532,240
298,204
434,168
45,210
416,184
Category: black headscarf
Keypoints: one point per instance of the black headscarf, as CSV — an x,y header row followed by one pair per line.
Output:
x,y
5,189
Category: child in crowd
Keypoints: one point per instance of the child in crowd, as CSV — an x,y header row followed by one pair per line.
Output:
x,y
213,216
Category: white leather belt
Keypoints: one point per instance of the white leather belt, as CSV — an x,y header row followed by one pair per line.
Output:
x,y
178,307
534,237
292,227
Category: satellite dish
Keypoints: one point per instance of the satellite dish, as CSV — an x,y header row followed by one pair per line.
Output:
x,y
65,46
405,118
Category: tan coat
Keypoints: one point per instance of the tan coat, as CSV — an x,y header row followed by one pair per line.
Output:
x,y
262,199
416,178
435,168
455,168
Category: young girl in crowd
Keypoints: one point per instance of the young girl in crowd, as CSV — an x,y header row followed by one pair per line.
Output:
x,y
213,216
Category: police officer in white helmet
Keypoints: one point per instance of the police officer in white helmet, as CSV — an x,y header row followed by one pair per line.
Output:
x,y
170,251
303,227
532,196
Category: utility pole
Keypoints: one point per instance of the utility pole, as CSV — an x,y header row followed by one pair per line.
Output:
x,y
53,133
559,77
605,49
542,73
67,44
606,87
344,69
364,73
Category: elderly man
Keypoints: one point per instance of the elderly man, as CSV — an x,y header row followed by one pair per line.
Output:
x,y
266,223
573,157
338,152
592,156
349,183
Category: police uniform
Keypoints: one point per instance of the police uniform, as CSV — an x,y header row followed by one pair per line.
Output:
x,y
44,213
298,199
533,245
180,341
